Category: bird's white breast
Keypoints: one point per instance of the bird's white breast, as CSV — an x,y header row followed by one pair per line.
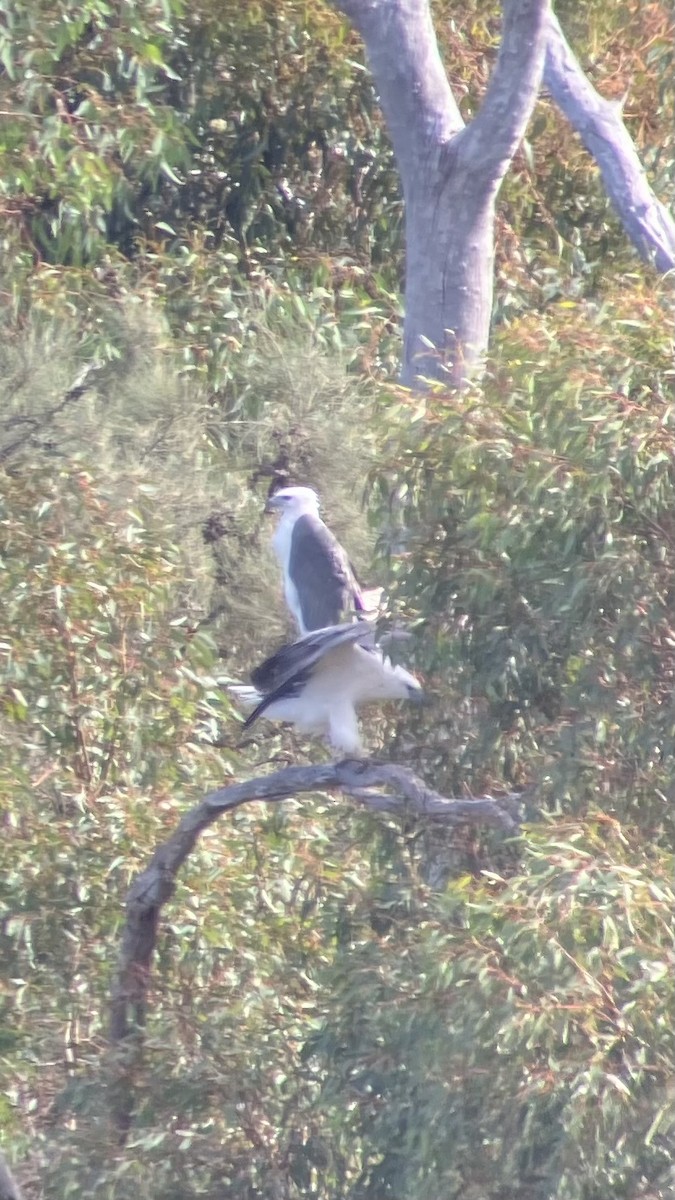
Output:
x,y
281,542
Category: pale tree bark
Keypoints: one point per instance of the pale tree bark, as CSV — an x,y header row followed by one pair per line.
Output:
x,y
364,781
598,122
450,172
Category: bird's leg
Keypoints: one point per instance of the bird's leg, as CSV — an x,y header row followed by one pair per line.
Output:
x,y
344,732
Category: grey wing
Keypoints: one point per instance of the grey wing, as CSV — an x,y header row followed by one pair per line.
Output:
x,y
297,659
322,575
357,590
290,687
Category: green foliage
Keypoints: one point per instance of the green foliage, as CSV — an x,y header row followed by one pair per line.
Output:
x,y
200,202
290,155
108,718
323,1021
104,726
204,458
87,625
255,123
87,137
516,1038
536,523
178,153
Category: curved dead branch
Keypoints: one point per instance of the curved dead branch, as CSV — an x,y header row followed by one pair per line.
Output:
x,y
384,787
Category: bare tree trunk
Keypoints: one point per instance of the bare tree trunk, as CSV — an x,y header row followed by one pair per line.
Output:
x,y
450,173
155,885
598,122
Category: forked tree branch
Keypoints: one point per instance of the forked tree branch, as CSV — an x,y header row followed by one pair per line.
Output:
x,y
408,72
150,891
490,140
417,99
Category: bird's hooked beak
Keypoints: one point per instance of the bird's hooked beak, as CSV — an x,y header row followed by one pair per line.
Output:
x,y
273,505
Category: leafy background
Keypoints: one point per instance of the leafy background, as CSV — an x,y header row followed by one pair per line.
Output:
x,y
201,204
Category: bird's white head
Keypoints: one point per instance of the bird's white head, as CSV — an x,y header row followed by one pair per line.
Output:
x,y
293,501
405,686
388,681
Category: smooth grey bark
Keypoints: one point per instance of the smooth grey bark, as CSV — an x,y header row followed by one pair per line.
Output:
x,y
450,172
150,891
598,122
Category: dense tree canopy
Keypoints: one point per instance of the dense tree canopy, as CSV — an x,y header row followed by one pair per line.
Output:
x,y
201,226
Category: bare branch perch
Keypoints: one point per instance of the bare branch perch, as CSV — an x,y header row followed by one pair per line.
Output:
x,y
154,886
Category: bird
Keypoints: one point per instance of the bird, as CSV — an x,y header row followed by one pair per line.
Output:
x,y
320,585
318,682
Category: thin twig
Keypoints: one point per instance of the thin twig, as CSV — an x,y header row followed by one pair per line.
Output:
x,y
77,389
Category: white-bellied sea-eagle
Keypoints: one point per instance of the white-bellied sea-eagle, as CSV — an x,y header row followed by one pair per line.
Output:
x,y
319,581
318,682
